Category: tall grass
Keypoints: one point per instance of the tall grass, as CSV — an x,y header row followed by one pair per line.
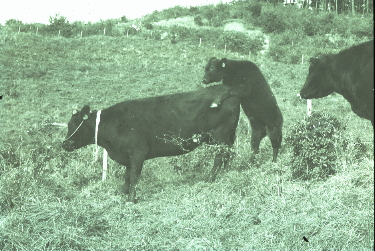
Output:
x,y
54,200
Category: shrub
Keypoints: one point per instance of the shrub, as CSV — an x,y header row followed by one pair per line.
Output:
x,y
148,26
198,20
255,9
123,29
181,31
241,42
271,22
153,17
315,144
60,24
124,19
221,13
208,11
193,10
13,22
310,28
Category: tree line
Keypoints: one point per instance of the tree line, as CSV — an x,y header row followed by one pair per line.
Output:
x,y
338,6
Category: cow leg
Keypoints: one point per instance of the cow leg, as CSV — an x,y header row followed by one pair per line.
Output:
x,y
220,158
275,135
127,180
258,132
136,164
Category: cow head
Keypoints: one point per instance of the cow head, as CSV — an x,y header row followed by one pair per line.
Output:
x,y
319,82
214,70
80,130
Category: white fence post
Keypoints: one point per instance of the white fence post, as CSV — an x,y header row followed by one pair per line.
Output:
x,y
105,164
309,107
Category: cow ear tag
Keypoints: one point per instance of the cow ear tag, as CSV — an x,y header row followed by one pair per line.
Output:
x,y
75,111
223,65
85,117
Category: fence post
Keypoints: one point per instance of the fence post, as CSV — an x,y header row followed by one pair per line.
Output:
x,y
104,31
225,49
81,34
59,32
200,41
19,28
37,28
309,107
105,164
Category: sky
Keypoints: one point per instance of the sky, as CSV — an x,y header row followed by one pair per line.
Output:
x,y
39,11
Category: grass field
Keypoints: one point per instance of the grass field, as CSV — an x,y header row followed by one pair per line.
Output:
x,y
54,200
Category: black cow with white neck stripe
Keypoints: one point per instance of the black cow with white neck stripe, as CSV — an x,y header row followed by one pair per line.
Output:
x,y
136,130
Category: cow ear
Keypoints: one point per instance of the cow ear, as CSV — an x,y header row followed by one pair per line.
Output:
x,y
74,112
223,62
85,111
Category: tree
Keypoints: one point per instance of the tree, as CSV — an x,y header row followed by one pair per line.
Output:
x,y
60,23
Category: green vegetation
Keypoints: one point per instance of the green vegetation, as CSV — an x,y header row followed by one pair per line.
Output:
x,y
316,144
54,200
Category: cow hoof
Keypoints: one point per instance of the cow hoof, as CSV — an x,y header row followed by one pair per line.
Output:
x,y
214,105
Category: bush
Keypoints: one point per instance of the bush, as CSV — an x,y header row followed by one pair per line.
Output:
x,y
124,19
60,25
198,20
241,42
255,9
316,143
148,26
271,22
310,28
182,31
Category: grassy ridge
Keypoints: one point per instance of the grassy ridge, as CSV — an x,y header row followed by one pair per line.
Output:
x,y
52,200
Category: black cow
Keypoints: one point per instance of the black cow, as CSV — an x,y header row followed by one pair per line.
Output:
x,y
349,73
257,100
136,130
